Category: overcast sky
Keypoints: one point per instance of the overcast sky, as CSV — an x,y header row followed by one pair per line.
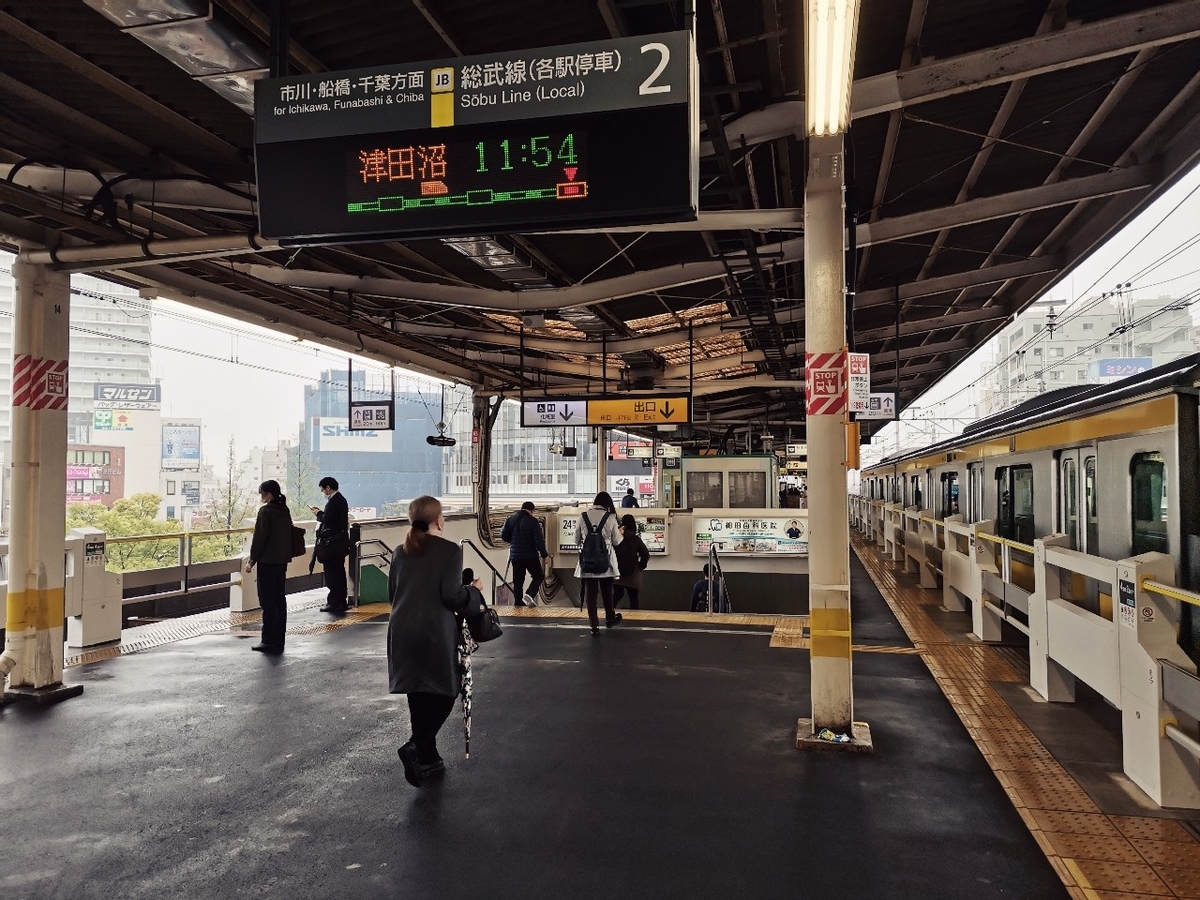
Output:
x,y
1158,254
246,381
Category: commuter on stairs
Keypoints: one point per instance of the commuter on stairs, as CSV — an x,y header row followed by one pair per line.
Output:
x,y
526,551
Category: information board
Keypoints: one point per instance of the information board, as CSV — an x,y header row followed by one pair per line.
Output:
x,y
572,136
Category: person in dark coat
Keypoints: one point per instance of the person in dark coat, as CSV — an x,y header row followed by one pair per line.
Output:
x,y
632,557
333,542
629,500
426,591
526,551
271,551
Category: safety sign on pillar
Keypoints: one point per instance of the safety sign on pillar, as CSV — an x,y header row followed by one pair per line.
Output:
x,y
858,396
825,383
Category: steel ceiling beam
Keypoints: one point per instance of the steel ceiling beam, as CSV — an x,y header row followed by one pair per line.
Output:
x,y
51,49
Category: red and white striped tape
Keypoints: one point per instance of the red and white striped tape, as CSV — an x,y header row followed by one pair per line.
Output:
x,y
39,383
825,383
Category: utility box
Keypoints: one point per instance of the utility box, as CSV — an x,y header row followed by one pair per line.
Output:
x,y
93,595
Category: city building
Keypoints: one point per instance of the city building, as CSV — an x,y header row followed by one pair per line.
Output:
x,y
374,468
1054,345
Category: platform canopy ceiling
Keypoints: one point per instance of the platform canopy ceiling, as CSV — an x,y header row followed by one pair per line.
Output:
x,y
992,147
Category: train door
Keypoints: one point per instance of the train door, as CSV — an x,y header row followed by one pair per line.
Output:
x,y
1067,505
974,492
1014,503
1091,512
949,494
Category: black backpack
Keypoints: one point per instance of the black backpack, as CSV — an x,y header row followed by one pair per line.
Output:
x,y
593,555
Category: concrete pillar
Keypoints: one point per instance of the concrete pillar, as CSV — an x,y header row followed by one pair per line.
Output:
x,y
829,529
33,647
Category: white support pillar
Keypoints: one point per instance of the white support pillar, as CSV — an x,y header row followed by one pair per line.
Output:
x,y
825,386
33,646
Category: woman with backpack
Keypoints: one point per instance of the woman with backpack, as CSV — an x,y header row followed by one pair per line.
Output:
x,y
598,536
632,557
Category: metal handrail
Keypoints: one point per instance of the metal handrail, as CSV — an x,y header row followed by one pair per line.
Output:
x,y
386,556
1007,542
467,542
715,574
1171,591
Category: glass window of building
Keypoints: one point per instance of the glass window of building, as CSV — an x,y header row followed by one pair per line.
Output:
x,y
747,490
706,489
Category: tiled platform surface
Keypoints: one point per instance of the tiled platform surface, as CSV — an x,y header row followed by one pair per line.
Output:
x,y
1096,853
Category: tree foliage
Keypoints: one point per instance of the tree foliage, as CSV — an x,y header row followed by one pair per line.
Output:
x,y
230,504
300,482
131,517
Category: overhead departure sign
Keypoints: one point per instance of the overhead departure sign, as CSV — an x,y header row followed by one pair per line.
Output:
x,y
633,409
572,136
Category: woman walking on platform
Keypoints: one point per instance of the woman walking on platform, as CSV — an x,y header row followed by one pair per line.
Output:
x,y
426,591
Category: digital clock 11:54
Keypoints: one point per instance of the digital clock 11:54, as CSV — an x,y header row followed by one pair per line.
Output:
x,y
540,151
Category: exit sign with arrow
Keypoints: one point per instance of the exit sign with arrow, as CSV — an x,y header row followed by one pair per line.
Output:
x,y
607,412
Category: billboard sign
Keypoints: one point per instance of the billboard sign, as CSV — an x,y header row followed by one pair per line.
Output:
x,y
181,447
332,434
1122,367
765,534
126,396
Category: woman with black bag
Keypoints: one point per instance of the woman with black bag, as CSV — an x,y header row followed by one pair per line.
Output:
x,y
426,591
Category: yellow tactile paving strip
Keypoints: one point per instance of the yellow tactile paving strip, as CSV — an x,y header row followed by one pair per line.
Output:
x,y
1097,856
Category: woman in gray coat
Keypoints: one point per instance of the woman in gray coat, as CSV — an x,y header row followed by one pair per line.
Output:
x,y
426,591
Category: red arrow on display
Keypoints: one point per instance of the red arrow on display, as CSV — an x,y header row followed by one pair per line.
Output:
x,y
570,170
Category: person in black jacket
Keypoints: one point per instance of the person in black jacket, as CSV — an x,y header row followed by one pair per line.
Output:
x,y
526,551
632,558
426,590
271,551
333,544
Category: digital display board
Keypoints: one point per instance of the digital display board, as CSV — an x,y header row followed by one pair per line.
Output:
x,y
576,136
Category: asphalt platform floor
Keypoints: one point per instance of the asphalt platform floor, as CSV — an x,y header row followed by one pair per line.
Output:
x,y
654,760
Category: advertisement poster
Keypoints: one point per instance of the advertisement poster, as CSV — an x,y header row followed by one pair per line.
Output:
x,y
750,535
652,528
181,447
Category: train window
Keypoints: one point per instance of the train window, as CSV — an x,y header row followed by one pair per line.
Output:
x,y
1068,502
915,497
1014,503
1089,498
974,494
1148,477
929,486
949,494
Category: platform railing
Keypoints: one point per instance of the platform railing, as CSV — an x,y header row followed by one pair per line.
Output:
x,y
1126,651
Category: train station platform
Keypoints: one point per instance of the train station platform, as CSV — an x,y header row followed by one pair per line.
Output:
x,y
656,759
